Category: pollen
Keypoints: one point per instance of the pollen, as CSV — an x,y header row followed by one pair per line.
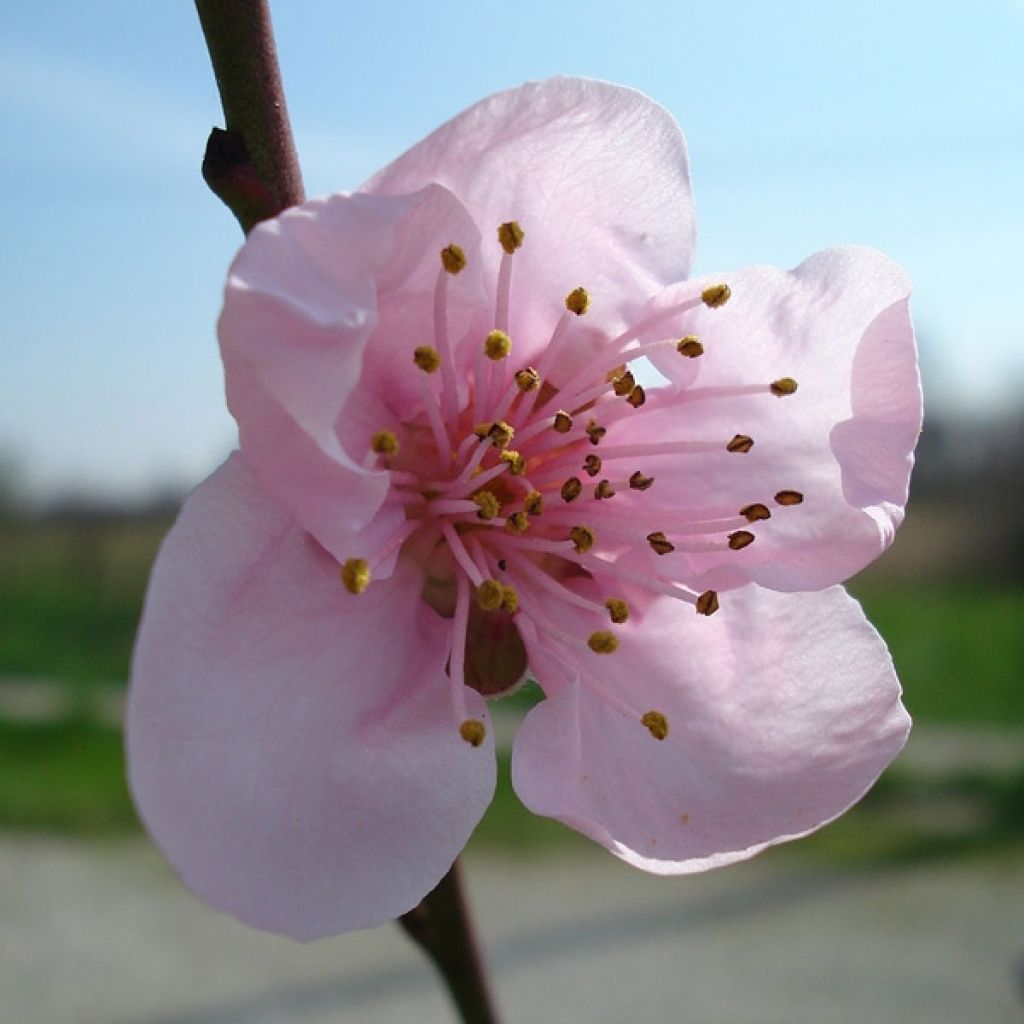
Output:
x,y
453,259
639,482
755,512
516,462
637,397
533,503
789,498
488,504
783,386
660,544
618,610
624,384
473,731
355,574
595,431
740,443
656,723
577,301
571,489
690,347
497,345
501,434
715,296
517,522
740,539
427,359
527,379
603,642
582,538
510,236
562,423
384,442
707,603
490,594
604,489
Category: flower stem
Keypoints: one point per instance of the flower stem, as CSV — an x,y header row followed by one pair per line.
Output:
x,y
441,926
251,167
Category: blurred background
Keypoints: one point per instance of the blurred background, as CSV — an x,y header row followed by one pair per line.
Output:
x,y
899,126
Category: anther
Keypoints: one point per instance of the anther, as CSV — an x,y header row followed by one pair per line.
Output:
x,y
660,544
453,259
488,504
615,373
527,379
582,538
384,442
562,422
533,503
637,397
740,539
639,482
707,603
355,574
482,430
755,512
592,465
473,731
715,296
595,431
604,489
510,236
624,384
603,642
516,462
789,498
618,610
656,723
577,301
571,489
490,594
501,434
497,345
690,347
783,386
517,522
427,359
509,599
740,443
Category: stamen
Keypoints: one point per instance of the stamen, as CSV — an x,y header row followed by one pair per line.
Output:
x,y
632,451
453,259
355,574
603,641
562,422
488,504
473,731
741,444
656,723
517,522
789,498
428,359
527,379
510,236
618,610
497,345
461,555
754,513
384,442
571,489
533,503
639,482
490,594
715,296
437,428
660,544
592,465
577,301
623,385
501,434
595,431
582,538
637,397
740,539
783,386
604,490
690,347
707,603
509,599
516,462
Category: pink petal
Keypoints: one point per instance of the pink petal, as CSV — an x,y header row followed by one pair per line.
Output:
x,y
597,176
782,710
840,325
293,748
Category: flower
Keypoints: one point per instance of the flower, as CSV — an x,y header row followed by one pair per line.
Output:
x,y
452,473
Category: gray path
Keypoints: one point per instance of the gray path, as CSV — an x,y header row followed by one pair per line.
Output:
x,y
101,933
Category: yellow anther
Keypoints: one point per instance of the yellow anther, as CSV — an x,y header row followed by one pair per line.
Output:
x,y
595,431
592,465
384,442
355,574
789,498
510,235
473,731
527,379
618,610
604,489
740,539
517,522
690,347
533,503
637,397
715,296
488,504
501,434
660,544
707,603
783,386
615,373
603,642
740,443
756,512
639,482
490,594
453,259
516,462
624,384
571,489
497,345
582,538
427,359
577,301
657,724
482,430
509,599
562,423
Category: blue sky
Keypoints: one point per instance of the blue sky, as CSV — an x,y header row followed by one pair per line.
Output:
x,y
896,125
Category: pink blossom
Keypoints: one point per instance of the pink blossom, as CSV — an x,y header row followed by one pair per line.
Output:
x,y
438,382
